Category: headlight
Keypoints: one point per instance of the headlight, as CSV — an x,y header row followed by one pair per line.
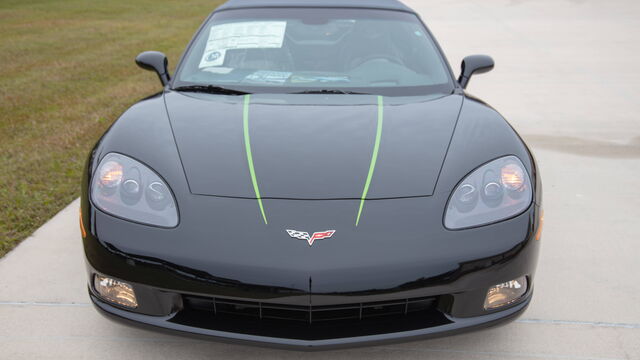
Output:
x,y
125,188
495,191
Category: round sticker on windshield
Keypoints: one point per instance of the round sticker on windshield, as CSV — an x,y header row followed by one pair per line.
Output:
x,y
214,56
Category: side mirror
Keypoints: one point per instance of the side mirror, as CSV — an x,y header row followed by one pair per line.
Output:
x,y
474,64
155,61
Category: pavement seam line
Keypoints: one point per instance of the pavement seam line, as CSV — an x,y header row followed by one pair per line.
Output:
x,y
37,303
579,322
509,354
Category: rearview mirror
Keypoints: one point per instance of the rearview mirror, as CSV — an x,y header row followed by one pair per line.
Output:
x,y
474,64
155,61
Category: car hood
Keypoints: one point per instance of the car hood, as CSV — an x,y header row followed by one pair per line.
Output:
x,y
312,146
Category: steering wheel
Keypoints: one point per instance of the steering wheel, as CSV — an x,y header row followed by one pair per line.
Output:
x,y
365,59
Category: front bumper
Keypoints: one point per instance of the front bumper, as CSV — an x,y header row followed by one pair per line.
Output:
x,y
449,280
428,323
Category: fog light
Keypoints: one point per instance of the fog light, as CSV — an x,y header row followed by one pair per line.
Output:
x,y
115,291
505,293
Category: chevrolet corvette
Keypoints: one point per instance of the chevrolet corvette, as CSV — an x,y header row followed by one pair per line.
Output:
x,y
312,175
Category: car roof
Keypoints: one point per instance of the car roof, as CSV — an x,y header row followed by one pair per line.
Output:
x,y
365,4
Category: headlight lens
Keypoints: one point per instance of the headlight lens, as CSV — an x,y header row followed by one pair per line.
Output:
x,y
496,191
126,188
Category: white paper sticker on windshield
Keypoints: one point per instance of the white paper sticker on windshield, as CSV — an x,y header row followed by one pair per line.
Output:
x,y
241,35
218,70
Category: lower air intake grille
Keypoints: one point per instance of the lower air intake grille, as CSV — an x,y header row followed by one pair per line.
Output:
x,y
308,314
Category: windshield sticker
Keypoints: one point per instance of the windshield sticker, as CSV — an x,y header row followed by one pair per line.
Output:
x,y
301,79
272,77
241,35
218,70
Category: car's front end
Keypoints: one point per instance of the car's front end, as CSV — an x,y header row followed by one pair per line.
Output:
x,y
287,214
397,283
225,271
372,296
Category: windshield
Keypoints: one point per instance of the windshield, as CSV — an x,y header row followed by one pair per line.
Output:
x,y
295,50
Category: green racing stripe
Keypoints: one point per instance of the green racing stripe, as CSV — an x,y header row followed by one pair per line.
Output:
x,y
247,145
374,156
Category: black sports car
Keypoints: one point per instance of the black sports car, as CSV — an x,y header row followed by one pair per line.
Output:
x,y
312,176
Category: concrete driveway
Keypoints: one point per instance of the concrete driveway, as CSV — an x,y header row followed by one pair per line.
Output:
x,y
567,78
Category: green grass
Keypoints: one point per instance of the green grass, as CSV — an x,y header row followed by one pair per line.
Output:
x,y
66,73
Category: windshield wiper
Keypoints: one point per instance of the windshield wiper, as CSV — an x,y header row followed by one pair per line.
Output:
x,y
331,92
210,89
